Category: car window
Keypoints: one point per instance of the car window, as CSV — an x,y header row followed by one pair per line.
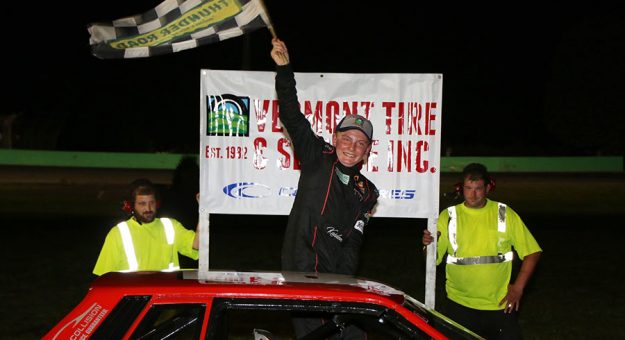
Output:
x,y
241,323
241,318
121,317
173,321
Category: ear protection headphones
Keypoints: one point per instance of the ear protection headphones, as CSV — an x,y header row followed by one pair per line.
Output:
x,y
492,183
139,187
456,193
128,206
458,187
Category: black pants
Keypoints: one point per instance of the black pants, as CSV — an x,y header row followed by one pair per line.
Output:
x,y
490,324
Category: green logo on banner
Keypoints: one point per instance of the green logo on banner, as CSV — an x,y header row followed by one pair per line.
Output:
x,y
227,115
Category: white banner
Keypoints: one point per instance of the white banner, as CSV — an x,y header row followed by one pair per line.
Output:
x,y
247,164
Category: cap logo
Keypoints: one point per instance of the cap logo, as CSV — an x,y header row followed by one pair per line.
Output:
x,y
356,122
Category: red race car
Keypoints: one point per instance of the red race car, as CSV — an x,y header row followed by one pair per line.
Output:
x,y
246,305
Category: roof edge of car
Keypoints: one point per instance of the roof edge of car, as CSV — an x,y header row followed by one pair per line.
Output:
x,y
286,277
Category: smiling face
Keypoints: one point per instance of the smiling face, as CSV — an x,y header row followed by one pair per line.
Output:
x,y
145,208
351,146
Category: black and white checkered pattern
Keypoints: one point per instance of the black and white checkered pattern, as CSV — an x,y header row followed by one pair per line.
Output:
x,y
103,35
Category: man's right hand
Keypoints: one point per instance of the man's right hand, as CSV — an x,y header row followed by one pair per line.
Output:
x,y
427,237
279,53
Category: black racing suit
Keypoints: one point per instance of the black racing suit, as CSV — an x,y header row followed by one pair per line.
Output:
x,y
331,198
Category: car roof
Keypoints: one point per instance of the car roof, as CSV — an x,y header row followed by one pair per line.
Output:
x,y
278,284
318,290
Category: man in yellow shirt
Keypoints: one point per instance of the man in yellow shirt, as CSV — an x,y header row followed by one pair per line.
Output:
x,y
477,236
144,242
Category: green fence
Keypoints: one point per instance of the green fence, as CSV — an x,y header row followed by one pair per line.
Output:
x,y
170,161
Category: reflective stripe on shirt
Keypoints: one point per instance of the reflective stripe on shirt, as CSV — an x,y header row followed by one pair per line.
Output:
x,y
129,248
452,228
169,230
169,233
480,259
171,268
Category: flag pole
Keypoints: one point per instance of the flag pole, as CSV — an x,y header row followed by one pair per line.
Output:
x,y
269,22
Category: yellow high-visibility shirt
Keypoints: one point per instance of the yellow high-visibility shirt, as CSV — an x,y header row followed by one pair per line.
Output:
x,y
482,286
152,251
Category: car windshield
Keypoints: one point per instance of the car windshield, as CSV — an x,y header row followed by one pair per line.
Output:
x,y
439,321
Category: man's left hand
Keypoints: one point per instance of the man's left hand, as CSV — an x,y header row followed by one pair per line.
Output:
x,y
512,300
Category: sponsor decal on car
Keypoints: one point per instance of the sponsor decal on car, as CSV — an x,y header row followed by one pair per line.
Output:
x,y
84,324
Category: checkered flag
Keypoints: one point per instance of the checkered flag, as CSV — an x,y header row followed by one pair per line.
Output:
x,y
177,25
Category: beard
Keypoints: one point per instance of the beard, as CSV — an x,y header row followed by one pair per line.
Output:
x,y
145,217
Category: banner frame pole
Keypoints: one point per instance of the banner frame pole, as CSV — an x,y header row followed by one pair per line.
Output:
x,y
203,263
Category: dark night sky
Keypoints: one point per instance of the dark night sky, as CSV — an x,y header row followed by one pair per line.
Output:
x,y
525,80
